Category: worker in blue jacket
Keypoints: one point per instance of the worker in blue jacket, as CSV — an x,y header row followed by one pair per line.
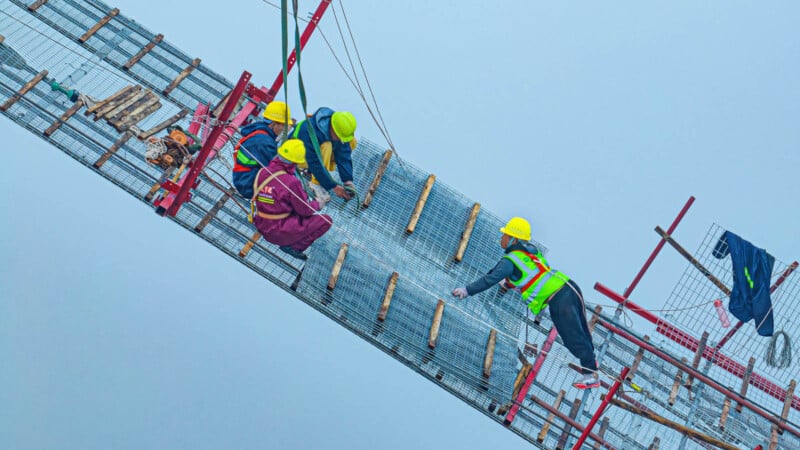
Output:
x,y
258,146
335,133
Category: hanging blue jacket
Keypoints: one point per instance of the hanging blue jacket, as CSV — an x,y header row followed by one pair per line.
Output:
x,y
320,122
259,144
752,270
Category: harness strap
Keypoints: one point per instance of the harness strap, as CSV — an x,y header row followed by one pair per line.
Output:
x,y
272,216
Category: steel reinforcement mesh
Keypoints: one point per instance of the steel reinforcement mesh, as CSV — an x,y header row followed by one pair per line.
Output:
x,y
376,236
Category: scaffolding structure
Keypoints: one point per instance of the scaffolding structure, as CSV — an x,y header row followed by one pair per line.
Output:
x,y
385,268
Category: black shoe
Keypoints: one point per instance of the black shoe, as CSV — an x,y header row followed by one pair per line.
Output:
x,y
294,253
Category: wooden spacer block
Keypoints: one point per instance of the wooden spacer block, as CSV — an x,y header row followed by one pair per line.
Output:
x,y
573,413
376,181
64,117
24,90
726,409
602,432
145,50
437,321
337,267
696,361
36,5
100,24
249,245
111,150
226,194
181,76
146,134
423,197
746,382
787,404
467,233
387,296
595,317
102,108
550,417
488,360
637,360
676,385
655,444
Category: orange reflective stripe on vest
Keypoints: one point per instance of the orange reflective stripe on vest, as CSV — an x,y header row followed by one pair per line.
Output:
x,y
241,163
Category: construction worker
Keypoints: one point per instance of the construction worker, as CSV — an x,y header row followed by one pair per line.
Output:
x,y
283,213
258,145
335,133
525,269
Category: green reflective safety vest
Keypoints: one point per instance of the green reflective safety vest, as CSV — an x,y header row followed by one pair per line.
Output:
x,y
538,282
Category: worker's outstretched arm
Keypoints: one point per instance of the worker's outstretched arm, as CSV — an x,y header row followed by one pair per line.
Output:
x,y
503,269
344,161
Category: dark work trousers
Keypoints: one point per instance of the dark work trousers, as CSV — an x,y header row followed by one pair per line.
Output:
x,y
566,311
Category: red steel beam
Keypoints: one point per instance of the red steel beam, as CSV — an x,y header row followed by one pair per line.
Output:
x,y
600,409
537,365
569,420
691,343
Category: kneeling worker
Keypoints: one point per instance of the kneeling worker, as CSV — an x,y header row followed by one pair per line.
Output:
x,y
284,215
524,268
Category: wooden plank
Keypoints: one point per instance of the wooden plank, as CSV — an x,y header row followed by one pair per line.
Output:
x,y
467,233
595,317
637,360
655,444
573,413
114,96
226,194
152,192
787,404
696,361
376,181
181,76
112,112
111,150
387,297
100,24
142,111
488,360
676,385
24,90
602,432
36,5
423,197
112,103
726,409
64,117
337,267
522,375
437,321
676,426
683,252
550,417
746,382
145,50
249,245
146,134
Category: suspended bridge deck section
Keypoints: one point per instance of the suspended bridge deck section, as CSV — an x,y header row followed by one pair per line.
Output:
x,y
385,270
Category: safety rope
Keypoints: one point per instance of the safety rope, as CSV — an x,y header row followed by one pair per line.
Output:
x,y
784,359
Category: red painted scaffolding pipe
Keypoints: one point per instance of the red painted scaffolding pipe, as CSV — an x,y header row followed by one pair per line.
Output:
x,y
600,409
570,421
537,365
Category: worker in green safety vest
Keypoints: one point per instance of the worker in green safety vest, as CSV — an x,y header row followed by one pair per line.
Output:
x,y
524,269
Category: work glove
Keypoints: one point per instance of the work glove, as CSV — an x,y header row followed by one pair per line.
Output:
x,y
460,292
350,188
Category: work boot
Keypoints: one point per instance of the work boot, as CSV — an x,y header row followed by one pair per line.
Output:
x,y
293,253
587,381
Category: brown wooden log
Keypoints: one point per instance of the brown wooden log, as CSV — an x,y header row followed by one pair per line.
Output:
x,y
748,372
719,284
111,103
249,245
676,385
602,432
36,5
696,361
467,233
637,360
152,192
182,76
437,321
573,413
226,194
145,50
550,417
595,317
122,92
112,112
100,24
787,404
139,112
111,150
387,296
675,426
376,181
726,409
655,444
423,197
337,267
64,117
146,134
518,382
24,90
488,360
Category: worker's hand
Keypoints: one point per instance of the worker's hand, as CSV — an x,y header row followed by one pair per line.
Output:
x,y
460,292
341,192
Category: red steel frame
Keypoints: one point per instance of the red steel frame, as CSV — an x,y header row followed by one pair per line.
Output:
x,y
178,193
611,392
537,365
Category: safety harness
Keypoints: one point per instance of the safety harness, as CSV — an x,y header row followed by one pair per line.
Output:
x,y
241,162
538,282
258,198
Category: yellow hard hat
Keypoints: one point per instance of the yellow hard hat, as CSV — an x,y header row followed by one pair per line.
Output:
x,y
344,125
293,150
278,111
518,228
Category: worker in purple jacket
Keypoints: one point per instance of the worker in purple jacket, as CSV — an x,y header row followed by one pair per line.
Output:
x,y
283,213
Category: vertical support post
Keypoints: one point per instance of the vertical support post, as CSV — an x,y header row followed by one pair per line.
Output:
x,y
573,413
537,365
100,24
145,50
387,297
470,225
602,432
337,267
377,180
595,317
64,117
637,360
24,90
437,320
423,198
773,441
488,360
696,361
746,382
600,409
546,427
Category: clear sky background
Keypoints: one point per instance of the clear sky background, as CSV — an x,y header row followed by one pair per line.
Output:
x,y
596,121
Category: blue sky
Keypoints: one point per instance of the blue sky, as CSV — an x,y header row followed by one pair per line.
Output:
x,y
120,330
